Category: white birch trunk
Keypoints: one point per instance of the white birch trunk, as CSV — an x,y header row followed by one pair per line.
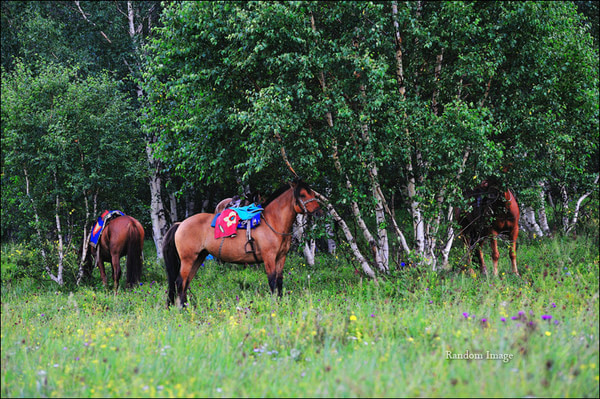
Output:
x,y
331,246
348,234
360,221
577,209
565,203
157,209
541,213
449,237
415,212
61,251
308,246
529,222
173,208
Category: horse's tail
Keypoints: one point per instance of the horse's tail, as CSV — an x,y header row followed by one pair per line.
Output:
x,y
134,256
172,261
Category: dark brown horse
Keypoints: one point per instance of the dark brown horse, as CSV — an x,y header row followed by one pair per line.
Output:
x,y
122,236
186,244
494,211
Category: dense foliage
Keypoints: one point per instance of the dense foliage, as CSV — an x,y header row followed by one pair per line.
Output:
x,y
390,110
373,100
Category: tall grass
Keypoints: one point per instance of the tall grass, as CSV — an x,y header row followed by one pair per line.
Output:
x,y
332,333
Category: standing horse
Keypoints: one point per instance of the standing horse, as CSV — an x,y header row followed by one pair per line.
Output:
x,y
186,244
494,211
122,236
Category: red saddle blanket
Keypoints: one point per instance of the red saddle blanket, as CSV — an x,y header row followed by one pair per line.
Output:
x,y
226,224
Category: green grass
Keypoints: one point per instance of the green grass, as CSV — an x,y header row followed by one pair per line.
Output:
x,y
332,334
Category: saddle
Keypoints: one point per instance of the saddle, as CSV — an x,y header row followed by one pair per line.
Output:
x,y
101,223
227,222
230,220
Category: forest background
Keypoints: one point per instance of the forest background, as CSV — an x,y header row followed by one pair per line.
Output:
x,y
388,109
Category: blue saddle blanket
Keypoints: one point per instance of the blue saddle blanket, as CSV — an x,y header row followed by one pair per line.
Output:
x,y
100,223
247,214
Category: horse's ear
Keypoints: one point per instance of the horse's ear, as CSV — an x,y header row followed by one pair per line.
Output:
x,y
297,181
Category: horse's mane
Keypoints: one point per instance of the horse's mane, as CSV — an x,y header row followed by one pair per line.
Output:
x,y
300,184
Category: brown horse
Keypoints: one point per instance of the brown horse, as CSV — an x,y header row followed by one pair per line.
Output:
x,y
122,236
494,212
187,244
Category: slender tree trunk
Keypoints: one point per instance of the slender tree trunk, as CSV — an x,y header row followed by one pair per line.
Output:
x,y
61,250
173,208
565,204
157,209
541,212
577,209
359,219
529,222
382,244
354,205
308,246
331,246
445,252
415,206
86,267
349,237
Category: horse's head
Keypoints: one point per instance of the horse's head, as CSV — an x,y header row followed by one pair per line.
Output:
x,y
306,201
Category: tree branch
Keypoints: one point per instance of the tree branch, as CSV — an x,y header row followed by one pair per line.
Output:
x,y
87,20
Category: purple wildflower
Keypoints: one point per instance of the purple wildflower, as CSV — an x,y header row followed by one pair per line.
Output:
x,y
546,317
503,319
466,315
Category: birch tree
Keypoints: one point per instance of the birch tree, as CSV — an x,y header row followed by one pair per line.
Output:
x,y
68,139
371,101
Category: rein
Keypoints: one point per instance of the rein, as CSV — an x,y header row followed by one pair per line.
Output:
x,y
275,231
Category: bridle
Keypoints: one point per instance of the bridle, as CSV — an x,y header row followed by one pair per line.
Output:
x,y
302,204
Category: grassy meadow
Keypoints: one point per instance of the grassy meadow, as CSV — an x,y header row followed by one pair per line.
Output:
x,y
333,334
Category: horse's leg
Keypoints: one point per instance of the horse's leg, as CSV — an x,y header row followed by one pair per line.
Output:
x,y
512,252
467,243
270,269
188,270
495,252
116,264
480,256
279,274
100,264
